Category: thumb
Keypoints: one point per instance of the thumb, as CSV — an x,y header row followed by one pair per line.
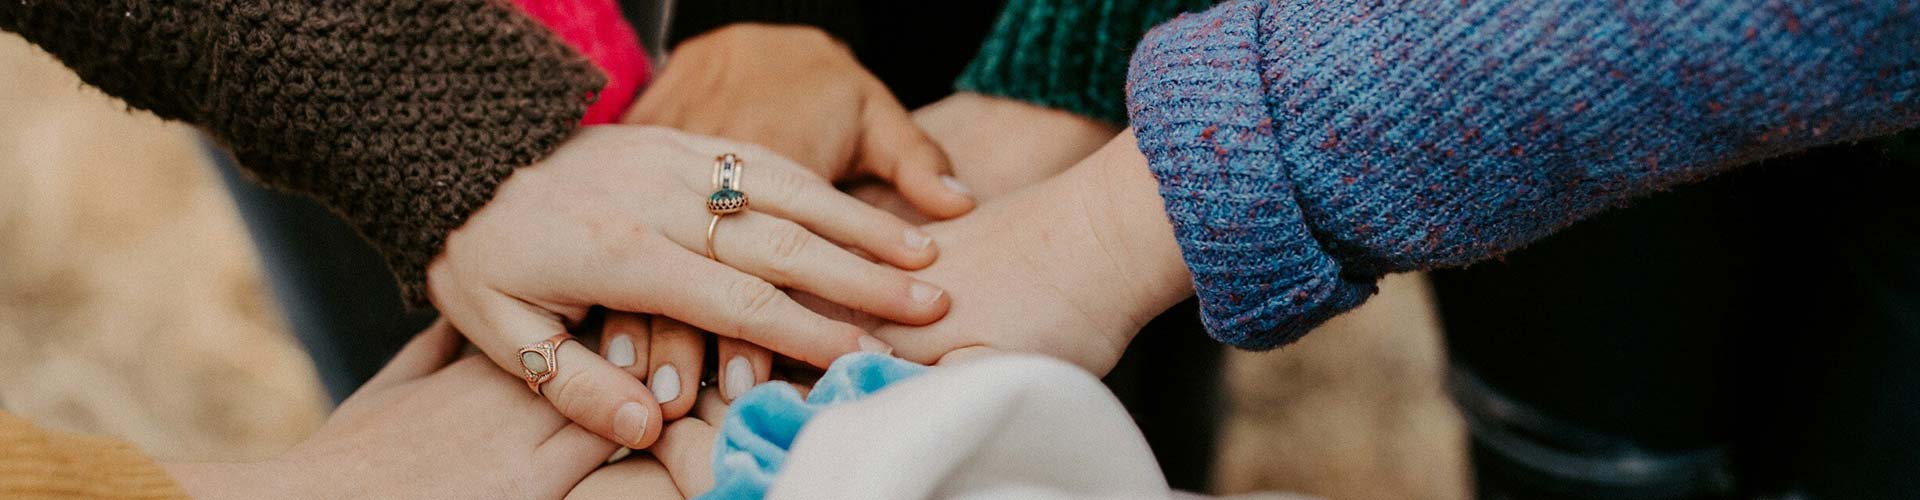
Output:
x,y
590,391
893,148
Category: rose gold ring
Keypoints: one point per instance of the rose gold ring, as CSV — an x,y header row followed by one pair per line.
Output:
x,y
727,198
539,360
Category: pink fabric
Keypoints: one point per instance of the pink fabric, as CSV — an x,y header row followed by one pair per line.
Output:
x,y
598,30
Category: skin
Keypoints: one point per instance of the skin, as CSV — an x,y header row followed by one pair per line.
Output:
x,y
434,424
615,217
427,426
1071,267
802,94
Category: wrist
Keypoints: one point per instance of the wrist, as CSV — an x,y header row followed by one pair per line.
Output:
x,y
1124,212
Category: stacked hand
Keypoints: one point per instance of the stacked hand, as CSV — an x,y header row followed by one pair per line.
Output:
x,y
1068,265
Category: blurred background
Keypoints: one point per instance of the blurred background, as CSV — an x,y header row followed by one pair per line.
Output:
x,y
131,299
133,304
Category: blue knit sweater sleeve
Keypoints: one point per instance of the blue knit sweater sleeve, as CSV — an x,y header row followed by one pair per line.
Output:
x,y
1306,148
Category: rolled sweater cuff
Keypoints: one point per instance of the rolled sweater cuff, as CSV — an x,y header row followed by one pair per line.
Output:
x,y
1066,54
1195,98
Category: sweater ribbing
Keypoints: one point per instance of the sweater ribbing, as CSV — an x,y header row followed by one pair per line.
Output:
x,y
1304,149
1067,54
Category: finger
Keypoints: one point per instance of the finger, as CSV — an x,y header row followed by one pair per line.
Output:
x,y
836,312
624,339
742,366
787,255
678,355
894,148
640,478
714,297
575,451
686,449
816,205
966,355
712,407
430,350
586,388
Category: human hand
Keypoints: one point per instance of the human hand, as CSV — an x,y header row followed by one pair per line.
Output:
x,y
1072,267
679,466
616,217
797,91
997,145
425,427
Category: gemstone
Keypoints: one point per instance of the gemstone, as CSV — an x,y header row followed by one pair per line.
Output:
x,y
726,201
534,361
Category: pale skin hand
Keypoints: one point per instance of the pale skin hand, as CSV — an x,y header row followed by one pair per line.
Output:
x,y
797,91
997,145
425,427
800,93
616,217
679,466
1072,268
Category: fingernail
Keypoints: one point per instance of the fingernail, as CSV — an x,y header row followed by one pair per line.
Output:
x,y
739,377
620,351
870,344
955,185
925,293
665,383
917,239
630,423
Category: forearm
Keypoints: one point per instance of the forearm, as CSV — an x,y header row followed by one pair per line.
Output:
x,y
403,134
1303,160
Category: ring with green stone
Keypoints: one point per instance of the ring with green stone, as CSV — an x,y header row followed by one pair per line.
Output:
x,y
727,198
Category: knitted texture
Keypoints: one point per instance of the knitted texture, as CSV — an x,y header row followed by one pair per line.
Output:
x,y
1067,54
401,116
38,464
1304,149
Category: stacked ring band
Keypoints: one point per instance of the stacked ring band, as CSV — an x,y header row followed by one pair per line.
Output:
x,y
727,198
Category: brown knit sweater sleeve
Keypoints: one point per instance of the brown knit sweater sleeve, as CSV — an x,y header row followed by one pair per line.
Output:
x,y
39,464
400,115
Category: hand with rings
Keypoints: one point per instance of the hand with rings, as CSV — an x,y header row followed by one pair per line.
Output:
x,y
626,217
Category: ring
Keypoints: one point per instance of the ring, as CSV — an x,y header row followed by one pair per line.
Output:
x,y
727,198
539,361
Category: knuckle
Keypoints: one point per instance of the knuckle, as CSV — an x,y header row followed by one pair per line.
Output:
x,y
752,298
573,396
790,242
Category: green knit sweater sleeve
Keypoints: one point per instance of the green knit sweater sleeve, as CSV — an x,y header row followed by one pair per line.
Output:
x,y
1067,54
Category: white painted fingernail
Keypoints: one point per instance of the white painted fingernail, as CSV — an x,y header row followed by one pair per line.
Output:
x,y
665,383
620,351
955,185
620,454
739,377
917,239
870,344
630,424
925,293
